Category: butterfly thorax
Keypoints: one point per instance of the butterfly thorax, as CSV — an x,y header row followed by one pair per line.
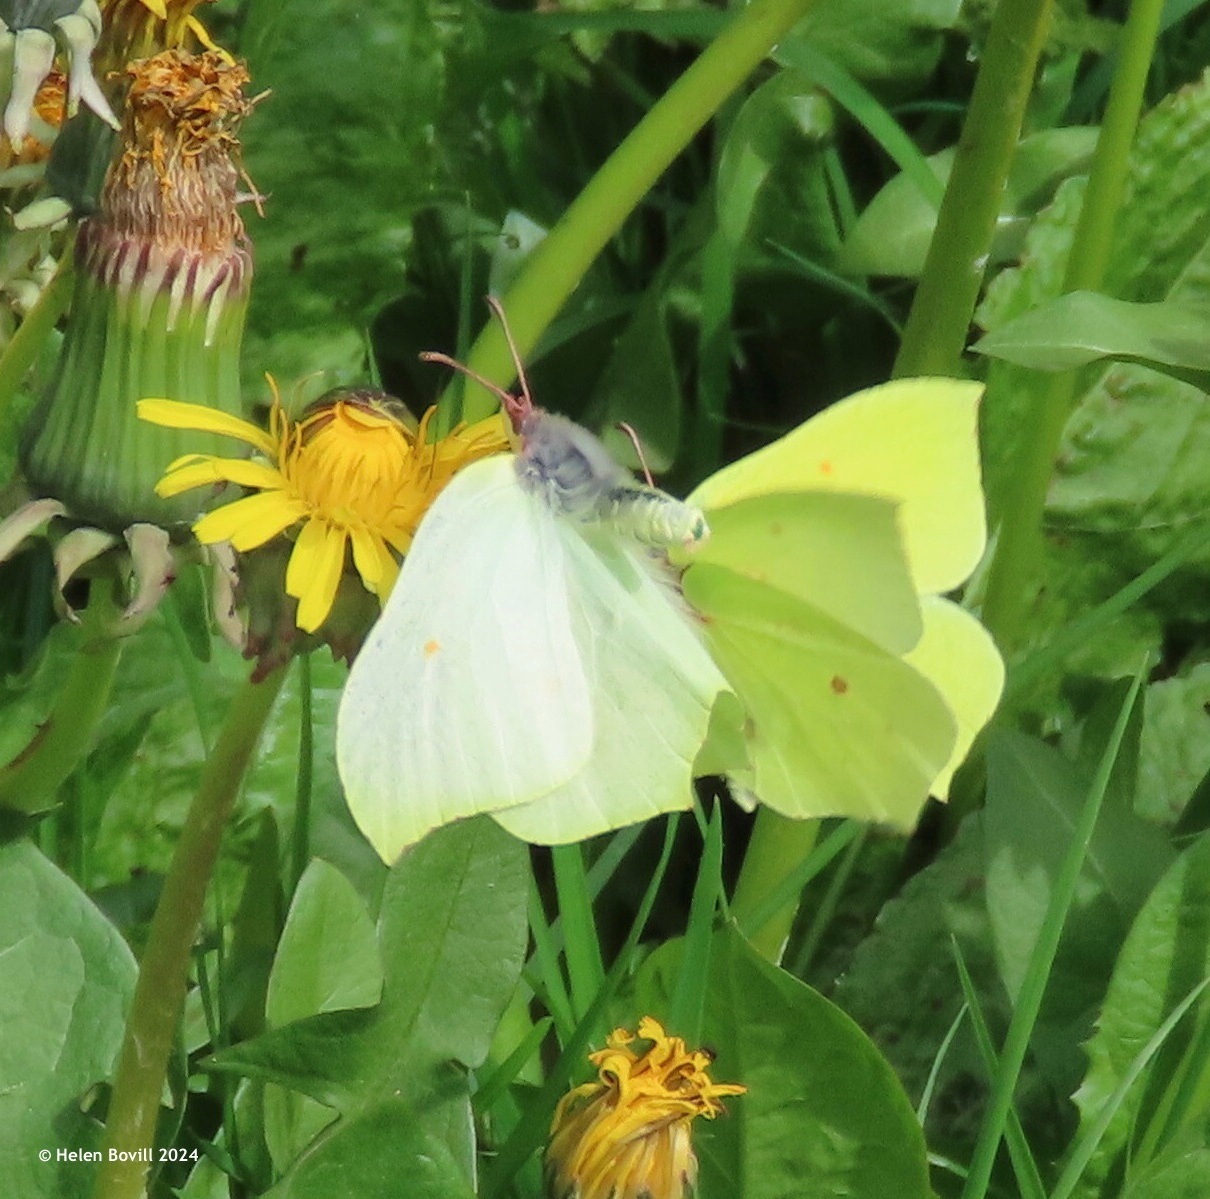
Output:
x,y
575,474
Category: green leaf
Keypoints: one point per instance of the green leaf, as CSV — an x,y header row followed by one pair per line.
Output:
x,y
1084,326
892,235
824,1116
1165,955
385,1152
344,151
1175,753
1184,1174
451,933
1134,467
66,977
884,41
1034,800
327,960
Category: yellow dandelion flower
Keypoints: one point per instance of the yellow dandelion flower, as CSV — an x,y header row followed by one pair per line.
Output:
x,y
627,1135
348,472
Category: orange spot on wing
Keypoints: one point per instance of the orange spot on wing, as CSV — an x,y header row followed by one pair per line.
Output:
x,y
839,685
431,648
825,468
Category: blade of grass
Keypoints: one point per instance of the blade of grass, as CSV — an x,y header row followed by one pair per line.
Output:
x,y
501,1078
791,884
689,998
552,986
930,1083
822,916
582,949
1029,1178
1037,971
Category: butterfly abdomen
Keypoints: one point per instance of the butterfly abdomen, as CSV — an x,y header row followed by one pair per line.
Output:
x,y
575,474
652,517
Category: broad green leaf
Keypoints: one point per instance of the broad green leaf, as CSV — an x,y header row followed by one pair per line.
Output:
x,y
1034,799
824,1116
384,1152
892,235
66,977
327,960
451,932
1084,326
1165,955
901,986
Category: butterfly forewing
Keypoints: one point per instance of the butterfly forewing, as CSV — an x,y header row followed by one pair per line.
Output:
x,y
469,694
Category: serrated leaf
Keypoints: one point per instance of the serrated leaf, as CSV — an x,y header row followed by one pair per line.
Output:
x,y
1165,955
66,977
1134,468
824,1116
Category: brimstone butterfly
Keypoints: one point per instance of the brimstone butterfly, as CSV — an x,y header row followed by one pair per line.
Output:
x,y
860,689
535,659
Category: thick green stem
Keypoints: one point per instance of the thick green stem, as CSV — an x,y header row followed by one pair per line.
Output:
x,y
937,326
597,213
159,995
1011,581
778,845
28,783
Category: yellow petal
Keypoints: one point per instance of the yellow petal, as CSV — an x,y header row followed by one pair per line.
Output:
x,y
958,656
251,521
199,31
157,7
375,563
174,414
313,574
202,470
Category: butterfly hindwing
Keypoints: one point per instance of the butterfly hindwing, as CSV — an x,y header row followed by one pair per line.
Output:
x,y
835,725
653,686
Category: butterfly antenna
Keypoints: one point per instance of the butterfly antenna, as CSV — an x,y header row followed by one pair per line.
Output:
x,y
505,397
526,403
638,449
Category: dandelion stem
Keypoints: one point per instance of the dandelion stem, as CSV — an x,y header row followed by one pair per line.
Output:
x,y
937,326
159,996
1011,581
597,213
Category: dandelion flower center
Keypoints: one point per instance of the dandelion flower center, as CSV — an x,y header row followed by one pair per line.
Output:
x,y
349,463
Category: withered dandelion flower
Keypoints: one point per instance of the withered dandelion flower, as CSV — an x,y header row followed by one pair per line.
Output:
x,y
628,1135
